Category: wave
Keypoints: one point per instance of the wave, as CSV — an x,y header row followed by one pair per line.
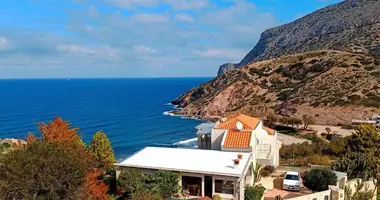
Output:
x,y
168,104
189,142
169,113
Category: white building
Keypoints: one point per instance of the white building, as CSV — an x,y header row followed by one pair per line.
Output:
x,y
242,133
211,169
202,172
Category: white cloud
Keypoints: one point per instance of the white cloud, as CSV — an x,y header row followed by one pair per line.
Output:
x,y
4,43
233,54
128,4
183,44
143,49
184,17
187,4
174,4
150,18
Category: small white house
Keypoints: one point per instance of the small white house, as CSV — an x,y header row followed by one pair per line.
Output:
x,y
202,172
242,133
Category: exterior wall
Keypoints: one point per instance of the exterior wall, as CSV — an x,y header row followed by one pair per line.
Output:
x,y
216,139
315,196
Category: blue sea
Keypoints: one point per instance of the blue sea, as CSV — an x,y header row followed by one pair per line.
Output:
x,y
130,111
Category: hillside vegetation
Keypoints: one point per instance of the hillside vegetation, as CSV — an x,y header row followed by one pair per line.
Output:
x,y
326,64
333,86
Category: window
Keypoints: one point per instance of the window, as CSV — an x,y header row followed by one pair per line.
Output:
x,y
291,177
224,187
326,197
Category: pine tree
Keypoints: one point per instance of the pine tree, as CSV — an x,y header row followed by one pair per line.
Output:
x,y
101,149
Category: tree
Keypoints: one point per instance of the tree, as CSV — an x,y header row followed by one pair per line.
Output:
x,y
95,187
44,170
361,192
328,130
284,121
357,165
164,182
297,122
57,130
131,180
272,119
365,140
307,120
337,147
102,150
254,192
320,179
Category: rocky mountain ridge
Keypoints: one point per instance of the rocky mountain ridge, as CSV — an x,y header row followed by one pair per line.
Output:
x,y
333,86
346,26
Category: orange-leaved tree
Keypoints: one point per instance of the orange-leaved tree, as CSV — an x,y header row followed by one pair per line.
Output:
x,y
95,188
57,130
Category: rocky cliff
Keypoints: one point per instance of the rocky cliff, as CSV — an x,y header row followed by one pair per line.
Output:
x,y
326,64
347,26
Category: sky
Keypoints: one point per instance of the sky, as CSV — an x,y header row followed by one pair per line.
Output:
x,y
135,38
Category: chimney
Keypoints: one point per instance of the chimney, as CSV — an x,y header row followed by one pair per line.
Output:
x,y
236,163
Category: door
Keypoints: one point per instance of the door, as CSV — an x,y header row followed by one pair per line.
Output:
x,y
208,186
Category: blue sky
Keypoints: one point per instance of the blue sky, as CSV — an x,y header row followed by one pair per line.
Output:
x,y
134,38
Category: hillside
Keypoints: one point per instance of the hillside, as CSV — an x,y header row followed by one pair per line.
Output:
x,y
350,26
333,86
326,64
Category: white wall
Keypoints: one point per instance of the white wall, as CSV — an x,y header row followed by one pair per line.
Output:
x,y
314,196
216,138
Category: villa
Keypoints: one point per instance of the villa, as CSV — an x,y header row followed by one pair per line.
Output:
x,y
241,133
223,164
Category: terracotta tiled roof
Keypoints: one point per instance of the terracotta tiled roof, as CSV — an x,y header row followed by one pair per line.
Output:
x,y
249,123
269,130
237,139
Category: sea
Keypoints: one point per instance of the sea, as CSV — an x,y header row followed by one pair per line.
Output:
x,y
132,112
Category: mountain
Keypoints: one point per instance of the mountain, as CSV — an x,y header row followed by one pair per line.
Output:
x,y
346,26
326,64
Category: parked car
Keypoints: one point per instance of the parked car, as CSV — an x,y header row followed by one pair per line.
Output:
x,y
292,181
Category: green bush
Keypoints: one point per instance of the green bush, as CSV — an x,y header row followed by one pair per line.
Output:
x,y
320,179
369,68
254,192
216,197
164,183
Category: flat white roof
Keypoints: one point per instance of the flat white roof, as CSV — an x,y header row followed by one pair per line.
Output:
x,y
189,160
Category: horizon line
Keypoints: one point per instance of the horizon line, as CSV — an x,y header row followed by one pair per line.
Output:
x,y
169,77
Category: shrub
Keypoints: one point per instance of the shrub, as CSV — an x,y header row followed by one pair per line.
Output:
x,y
320,179
216,197
267,170
44,170
344,65
355,65
369,68
254,192
319,160
357,165
165,182
312,136
146,195
131,180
